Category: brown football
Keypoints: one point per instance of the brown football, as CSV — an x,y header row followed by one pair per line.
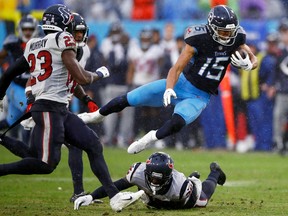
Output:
x,y
243,54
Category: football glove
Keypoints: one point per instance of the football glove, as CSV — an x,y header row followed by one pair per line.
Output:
x,y
243,63
167,96
82,201
91,104
30,100
102,72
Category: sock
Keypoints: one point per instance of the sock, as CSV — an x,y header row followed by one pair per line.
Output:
x,y
76,166
115,105
209,185
175,124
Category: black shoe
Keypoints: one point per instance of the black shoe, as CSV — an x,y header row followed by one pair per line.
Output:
x,y
222,177
196,174
75,196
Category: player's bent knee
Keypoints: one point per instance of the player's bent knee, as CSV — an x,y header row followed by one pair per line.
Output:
x,y
47,168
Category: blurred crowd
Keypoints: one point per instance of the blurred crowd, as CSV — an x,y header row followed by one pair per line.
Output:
x,y
259,96
112,10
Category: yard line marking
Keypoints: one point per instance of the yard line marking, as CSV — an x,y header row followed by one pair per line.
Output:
x,y
241,183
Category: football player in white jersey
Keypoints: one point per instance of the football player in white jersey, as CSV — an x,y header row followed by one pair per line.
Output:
x,y
164,186
49,59
80,34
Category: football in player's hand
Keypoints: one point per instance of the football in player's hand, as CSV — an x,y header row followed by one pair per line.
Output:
x,y
236,54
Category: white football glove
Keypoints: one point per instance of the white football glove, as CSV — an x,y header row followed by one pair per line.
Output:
x,y
167,96
82,201
103,72
238,61
28,124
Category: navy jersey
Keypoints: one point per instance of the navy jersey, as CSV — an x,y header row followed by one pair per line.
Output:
x,y
208,66
15,48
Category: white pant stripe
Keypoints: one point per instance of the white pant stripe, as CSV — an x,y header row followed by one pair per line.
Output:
x,y
46,137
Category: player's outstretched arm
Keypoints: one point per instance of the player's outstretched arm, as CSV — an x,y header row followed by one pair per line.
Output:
x,y
180,64
175,72
19,67
80,75
121,184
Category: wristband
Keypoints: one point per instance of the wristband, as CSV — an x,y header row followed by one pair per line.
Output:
x,y
99,74
27,89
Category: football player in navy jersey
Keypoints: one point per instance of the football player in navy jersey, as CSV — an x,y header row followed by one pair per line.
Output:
x,y
51,60
193,78
164,186
13,48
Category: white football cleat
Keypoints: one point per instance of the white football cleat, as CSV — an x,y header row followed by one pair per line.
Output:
x,y
143,143
124,199
82,201
93,117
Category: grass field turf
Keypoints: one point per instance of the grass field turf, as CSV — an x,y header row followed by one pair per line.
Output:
x,y
256,185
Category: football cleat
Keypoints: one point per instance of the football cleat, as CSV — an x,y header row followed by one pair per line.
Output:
x,y
82,201
124,199
75,196
93,117
222,177
143,143
96,117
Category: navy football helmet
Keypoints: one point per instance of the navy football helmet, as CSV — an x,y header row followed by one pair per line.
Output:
x,y
223,24
57,18
80,25
158,172
29,23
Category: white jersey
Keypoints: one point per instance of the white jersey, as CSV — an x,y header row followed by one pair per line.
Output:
x,y
49,76
146,63
84,56
136,176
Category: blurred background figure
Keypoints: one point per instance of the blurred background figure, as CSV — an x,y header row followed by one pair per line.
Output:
x,y
144,60
114,48
281,87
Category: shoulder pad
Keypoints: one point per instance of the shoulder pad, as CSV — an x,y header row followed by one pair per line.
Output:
x,y
132,170
10,39
195,30
241,30
65,40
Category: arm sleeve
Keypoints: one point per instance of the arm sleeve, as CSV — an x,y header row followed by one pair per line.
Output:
x,y
20,66
121,184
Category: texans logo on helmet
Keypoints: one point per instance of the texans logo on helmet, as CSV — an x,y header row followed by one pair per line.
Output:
x,y
66,15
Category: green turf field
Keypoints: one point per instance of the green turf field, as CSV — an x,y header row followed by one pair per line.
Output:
x,y
257,184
